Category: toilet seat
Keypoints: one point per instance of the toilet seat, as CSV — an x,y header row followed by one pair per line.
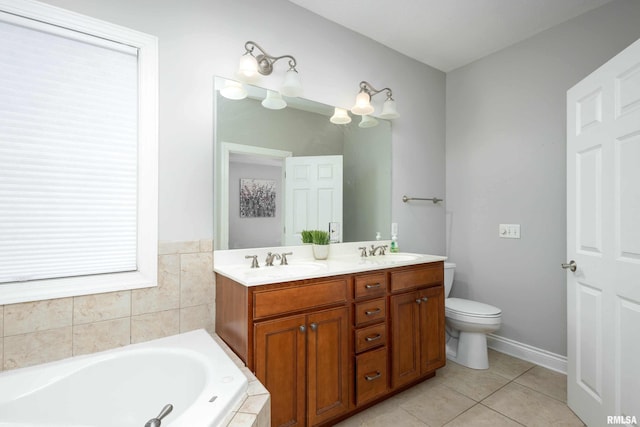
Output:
x,y
458,307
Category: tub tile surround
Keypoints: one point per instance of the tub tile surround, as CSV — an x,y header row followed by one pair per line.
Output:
x,y
44,331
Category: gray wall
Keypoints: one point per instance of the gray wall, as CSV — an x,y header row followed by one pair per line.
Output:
x,y
200,39
505,158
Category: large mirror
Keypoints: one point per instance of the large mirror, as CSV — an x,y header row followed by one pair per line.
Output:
x,y
258,204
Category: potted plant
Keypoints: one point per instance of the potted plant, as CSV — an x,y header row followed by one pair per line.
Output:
x,y
307,236
320,241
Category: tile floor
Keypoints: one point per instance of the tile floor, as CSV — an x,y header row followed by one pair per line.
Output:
x,y
511,392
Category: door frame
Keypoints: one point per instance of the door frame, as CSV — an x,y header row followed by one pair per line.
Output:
x,y
222,217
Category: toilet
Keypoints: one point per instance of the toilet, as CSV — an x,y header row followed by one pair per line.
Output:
x,y
467,325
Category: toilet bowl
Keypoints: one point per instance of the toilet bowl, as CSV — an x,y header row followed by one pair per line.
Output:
x,y
467,325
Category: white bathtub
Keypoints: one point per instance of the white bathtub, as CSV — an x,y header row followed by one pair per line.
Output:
x,y
128,386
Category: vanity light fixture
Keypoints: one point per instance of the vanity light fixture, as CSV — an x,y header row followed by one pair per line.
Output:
x,y
367,122
233,90
363,105
251,65
340,117
273,101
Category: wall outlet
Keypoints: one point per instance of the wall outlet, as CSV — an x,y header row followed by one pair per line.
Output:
x,y
509,231
334,232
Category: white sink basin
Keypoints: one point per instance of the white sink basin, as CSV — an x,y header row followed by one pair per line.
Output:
x,y
390,258
283,272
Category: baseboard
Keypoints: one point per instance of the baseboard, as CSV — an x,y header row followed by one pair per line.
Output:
x,y
545,358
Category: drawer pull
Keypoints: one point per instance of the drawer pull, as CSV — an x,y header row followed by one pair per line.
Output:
x,y
372,312
373,337
372,286
373,377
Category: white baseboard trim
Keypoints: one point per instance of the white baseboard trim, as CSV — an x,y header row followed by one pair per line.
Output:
x,y
545,358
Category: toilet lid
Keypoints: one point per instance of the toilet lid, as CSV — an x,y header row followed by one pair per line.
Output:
x,y
472,308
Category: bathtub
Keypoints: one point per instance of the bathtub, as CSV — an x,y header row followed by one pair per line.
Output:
x,y
128,386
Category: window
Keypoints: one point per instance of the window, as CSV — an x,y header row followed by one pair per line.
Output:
x,y
78,155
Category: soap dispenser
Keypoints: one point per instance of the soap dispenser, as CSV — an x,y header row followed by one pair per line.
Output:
x,y
394,238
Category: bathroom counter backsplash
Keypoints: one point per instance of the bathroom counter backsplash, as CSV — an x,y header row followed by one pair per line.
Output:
x,y
344,258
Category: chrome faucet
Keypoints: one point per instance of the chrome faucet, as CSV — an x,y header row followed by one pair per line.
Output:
x,y
254,262
157,421
269,261
363,251
283,260
381,250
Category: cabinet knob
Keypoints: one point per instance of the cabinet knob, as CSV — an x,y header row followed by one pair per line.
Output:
x,y
314,326
418,300
303,328
425,299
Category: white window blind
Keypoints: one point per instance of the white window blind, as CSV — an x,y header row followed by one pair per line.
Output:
x,y
68,153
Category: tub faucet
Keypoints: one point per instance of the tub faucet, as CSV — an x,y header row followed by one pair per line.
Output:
x,y
269,261
382,249
155,422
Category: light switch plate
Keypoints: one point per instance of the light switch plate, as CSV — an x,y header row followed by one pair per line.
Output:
x,y
334,232
509,231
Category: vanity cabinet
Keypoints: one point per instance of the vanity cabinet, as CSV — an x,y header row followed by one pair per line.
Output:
x,y
418,329
326,348
303,362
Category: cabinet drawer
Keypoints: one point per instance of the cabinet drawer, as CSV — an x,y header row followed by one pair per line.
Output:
x,y
286,300
370,285
370,337
370,311
431,274
371,375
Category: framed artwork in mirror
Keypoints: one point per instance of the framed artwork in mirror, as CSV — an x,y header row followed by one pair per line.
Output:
x,y
257,198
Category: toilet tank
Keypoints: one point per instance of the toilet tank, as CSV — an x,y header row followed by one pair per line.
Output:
x,y
449,270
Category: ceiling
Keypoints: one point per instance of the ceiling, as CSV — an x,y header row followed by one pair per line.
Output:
x,y
447,34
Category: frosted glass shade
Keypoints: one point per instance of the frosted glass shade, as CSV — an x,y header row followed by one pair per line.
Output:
x,y
340,117
292,86
367,122
248,67
273,101
389,110
363,104
233,90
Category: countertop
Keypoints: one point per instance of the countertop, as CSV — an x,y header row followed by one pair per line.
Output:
x,y
344,258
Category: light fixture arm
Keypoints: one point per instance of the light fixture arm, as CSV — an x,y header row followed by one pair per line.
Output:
x,y
371,91
266,61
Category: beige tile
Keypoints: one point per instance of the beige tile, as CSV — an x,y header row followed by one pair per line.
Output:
x,y
255,388
530,407
243,420
1,322
553,384
36,316
98,307
165,296
481,416
206,245
473,383
437,405
99,336
37,347
1,353
150,326
165,247
264,417
508,366
254,404
196,279
397,417
197,317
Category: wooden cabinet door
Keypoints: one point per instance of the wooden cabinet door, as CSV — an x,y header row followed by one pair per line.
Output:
x,y
280,365
327,364
432,330
405,324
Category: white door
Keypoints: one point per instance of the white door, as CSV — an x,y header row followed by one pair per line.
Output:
x,y
603,238
313,195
